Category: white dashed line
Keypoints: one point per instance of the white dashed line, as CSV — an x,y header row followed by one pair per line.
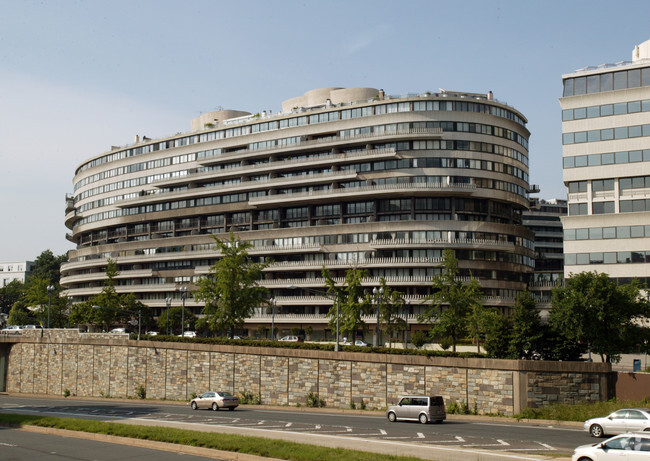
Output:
x,y
420,435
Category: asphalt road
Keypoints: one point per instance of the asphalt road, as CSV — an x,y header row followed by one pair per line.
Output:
x,y
17,445
487,435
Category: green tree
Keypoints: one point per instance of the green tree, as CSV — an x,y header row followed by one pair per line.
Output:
x,y
10,294
175,320
108,301
391,310
231,291
419,338
452,302
20,315
595,313
526,328
48,267
497,335
351,299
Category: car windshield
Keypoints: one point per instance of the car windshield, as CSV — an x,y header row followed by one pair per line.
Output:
x,y
224,394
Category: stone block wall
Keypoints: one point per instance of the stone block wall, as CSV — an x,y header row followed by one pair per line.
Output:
x,y
565,387
113,366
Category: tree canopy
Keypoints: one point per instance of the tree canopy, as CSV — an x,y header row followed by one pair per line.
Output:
x,y
452,302
595,313
351,299
231,291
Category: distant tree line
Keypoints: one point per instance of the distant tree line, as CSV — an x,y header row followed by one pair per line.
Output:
x,y
591,313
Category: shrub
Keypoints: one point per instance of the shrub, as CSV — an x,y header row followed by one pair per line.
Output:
x,y
248,398
66,393
419,338
313,401
141,392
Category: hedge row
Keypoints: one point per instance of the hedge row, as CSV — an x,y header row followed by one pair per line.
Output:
x,y
308,346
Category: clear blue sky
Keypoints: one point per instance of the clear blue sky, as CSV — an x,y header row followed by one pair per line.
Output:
x,y
79,76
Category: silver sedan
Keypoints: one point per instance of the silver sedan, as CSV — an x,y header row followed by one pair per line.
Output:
x,y
619,422
215,400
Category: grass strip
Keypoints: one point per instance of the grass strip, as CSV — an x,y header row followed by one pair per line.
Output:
x,y
580,412
227,442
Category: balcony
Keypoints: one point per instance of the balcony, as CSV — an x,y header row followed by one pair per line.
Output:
x,y
366,191
330,141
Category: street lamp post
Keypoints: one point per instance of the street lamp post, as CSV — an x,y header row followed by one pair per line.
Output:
x,y
70,299
406,325
378,300
337,346
272,319
168,301
50,290
183,291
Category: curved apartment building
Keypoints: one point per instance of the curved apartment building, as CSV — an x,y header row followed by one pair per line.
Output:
x,y
340,178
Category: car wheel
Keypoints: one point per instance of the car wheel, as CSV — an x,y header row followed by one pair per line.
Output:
x,y
231,408
423,418
194,406
391,417
215,407
596,431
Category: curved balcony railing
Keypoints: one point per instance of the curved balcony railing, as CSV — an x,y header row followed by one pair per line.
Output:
x,y
384,243
241,186
366,190
324,141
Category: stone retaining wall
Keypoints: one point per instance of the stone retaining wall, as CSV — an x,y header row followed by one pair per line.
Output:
x,y
55,362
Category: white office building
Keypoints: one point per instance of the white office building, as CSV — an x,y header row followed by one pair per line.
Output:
x,y
11,271
606,161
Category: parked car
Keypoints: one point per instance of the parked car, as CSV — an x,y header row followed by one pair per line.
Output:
x,y
215,400
290,338
423,408
118,330
630,446
189,334
13,330
619,422
357,342
152,333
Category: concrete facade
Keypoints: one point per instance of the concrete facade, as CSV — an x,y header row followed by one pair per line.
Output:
x,y
342,178
101,365
606,154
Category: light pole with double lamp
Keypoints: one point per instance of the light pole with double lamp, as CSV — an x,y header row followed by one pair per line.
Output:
x,y
50,290
378,300
183,290
336,303
128,312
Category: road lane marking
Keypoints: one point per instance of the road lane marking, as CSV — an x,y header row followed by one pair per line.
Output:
x,y
498,455
502,442
288,425
383,432
459,438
